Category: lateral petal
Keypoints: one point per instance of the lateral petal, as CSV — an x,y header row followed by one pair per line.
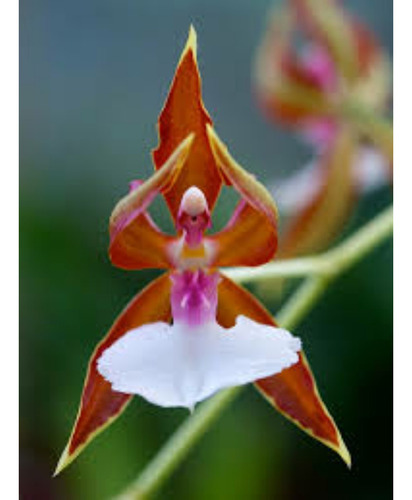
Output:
x,y
135,240
138,200
184,113
293,392
141,245
100,405
249,239
254,223
251,190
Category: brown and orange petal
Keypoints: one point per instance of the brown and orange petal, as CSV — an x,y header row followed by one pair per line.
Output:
x,y
184,113
138,199
141,245
99,405
293,392
135,240
321,219
331,27
249,239
251,190
285,90
373,86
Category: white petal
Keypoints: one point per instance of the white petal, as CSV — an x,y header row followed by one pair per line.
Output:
x,y
175,365
297,191
371,170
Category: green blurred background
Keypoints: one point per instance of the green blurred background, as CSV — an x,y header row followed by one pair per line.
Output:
x,y
93,78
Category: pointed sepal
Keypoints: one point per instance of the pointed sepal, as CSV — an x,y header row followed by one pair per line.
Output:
x,y
185,113
100,405
293,392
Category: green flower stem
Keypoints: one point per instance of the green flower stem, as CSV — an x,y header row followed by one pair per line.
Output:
x,y
178,446
334,261
301,302
288,268
324,269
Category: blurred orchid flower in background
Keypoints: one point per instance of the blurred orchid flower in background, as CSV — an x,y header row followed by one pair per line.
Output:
x,y
193,331
315,67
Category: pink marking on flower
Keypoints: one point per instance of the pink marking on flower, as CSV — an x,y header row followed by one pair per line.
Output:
x,y
194,297
194,216
320,66
134,184
319,132
318,63
236,213
142,210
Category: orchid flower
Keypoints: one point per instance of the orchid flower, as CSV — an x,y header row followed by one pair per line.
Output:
x,y
304,86
193,331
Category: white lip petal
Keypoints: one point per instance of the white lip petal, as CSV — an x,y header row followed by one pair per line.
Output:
x,y
177,365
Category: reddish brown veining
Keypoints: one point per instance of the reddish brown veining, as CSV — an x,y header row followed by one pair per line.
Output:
x,y
184,113
99,403
293,391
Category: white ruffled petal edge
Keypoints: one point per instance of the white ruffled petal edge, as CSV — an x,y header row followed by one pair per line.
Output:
x,y
176,365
